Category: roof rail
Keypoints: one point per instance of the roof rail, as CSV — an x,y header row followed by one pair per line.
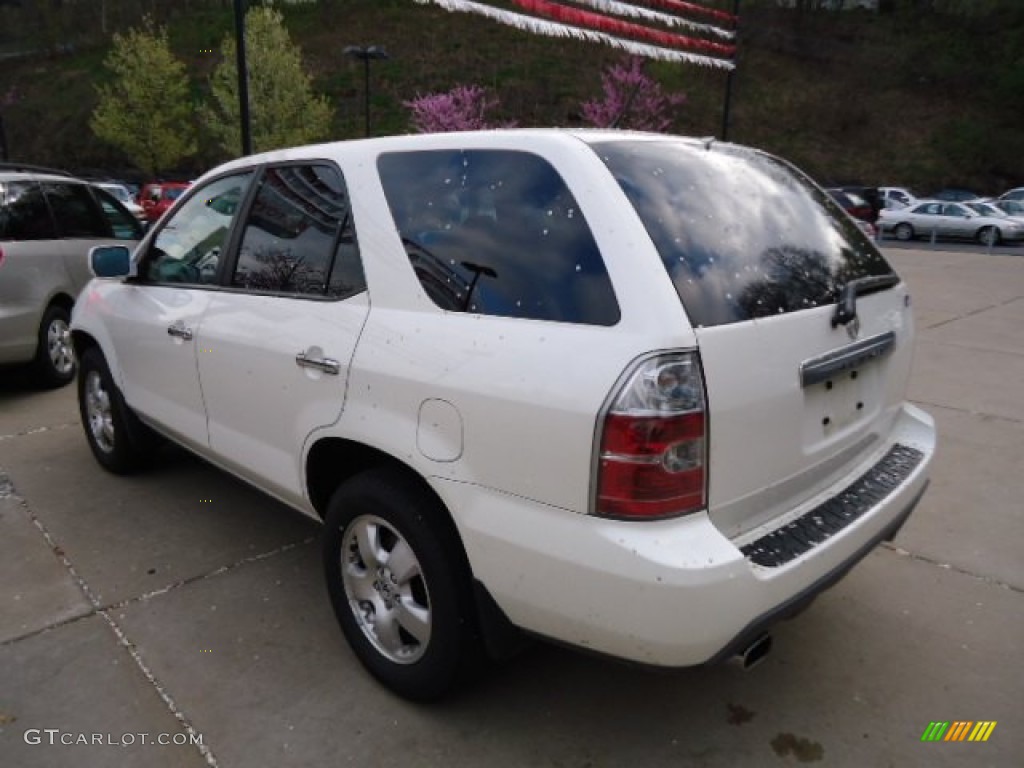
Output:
x,y
31,169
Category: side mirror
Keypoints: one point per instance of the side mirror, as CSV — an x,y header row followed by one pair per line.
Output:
x,y
111,261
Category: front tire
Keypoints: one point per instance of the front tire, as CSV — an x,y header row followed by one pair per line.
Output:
x,y
904,232
399,584
119,441
54,364
988,236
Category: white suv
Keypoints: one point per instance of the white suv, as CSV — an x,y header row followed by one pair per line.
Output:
x,y
637,393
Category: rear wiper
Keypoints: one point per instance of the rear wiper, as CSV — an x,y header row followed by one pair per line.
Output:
x,y
846,308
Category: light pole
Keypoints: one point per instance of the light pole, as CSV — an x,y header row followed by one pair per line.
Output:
x,y
365,53
243,76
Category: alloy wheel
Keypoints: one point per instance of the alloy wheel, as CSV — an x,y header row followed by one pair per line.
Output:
x,y
386,589
99,412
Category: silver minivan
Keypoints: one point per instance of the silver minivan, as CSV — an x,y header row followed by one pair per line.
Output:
x,y
48,223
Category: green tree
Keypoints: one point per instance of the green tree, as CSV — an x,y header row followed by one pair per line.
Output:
x,y
146,110
284,110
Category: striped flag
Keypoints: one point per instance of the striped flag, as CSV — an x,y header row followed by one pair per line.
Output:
x,y
688,31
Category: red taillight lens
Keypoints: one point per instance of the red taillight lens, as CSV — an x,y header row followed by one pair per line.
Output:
x,y
649,436
652,460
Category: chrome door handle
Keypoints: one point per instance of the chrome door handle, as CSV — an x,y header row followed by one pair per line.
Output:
x,y
180,332
325,364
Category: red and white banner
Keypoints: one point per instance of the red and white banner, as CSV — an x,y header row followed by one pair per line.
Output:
x,y
672,30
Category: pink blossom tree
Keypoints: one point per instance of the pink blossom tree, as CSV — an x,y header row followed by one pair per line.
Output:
x,y
464,108
632,99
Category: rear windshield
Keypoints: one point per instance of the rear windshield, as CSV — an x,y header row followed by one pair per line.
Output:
x,y
742,234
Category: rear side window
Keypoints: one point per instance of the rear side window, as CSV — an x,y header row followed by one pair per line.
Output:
x,y
299,236
497,232
742,234
75,211
124,225
24,214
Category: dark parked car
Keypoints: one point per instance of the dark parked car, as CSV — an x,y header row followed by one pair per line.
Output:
x,y
955,195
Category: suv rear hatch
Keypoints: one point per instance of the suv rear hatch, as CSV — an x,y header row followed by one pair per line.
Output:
x,y
804,330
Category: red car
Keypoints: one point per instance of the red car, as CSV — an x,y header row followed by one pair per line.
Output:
x,y
157,197
855,205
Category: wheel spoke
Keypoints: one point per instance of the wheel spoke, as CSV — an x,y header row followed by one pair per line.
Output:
x,y
385,627
414,619
360,584
370,550
402,562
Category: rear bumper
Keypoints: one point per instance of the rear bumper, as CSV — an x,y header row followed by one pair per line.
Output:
x,y
667,593
799,602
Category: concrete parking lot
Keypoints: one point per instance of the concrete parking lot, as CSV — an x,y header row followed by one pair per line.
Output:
x,y
182,606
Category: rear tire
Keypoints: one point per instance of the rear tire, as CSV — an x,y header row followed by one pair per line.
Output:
x,y
399,584
120,442
904,232
54,364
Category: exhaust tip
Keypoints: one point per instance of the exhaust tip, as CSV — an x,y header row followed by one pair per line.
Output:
x,y
754,653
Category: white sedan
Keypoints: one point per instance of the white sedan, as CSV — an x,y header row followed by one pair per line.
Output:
x,y
935,218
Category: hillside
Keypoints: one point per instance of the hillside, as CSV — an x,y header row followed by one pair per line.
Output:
x,y
921,99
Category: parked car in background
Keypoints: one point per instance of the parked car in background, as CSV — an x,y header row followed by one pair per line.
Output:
x,y
896,197
48,223
1012,207
955,195
1016,195
510,371
993,210
867,228
934,218
123,195
853,204
157,197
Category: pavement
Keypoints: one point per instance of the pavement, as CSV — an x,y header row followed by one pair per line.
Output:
x,y
181,606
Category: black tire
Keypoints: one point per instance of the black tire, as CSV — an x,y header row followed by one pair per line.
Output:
x,y
120,442
399,584
989,236
54,364
904,232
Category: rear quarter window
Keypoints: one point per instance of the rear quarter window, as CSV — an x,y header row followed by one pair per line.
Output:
x,y
24,214
742,234
497,232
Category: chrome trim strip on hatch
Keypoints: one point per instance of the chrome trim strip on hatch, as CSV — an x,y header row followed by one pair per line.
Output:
x,y
818,369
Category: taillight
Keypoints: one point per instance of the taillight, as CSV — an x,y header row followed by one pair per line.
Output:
x,y
652,460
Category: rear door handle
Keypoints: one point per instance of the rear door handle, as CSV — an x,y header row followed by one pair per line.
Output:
x,y
180,331
325,364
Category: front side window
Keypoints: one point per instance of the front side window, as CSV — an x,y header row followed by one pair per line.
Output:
x,y
24,214
76,213
188,247
298,236
497,232
742,234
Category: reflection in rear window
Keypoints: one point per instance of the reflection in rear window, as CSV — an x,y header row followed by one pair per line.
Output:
x,y
497,232
742,234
